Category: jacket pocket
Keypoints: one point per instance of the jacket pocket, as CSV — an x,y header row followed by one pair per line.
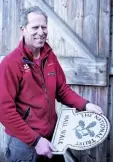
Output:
x,y
31,118
26,114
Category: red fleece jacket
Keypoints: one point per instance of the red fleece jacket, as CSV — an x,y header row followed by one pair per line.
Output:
x,y
28,92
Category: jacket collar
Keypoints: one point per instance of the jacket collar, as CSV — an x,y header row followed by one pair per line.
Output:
x,y
27,53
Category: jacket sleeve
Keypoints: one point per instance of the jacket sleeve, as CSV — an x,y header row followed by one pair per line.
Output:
x,y
9,87
65,94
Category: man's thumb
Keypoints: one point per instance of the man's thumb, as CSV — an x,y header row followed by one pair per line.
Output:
x,y
52,147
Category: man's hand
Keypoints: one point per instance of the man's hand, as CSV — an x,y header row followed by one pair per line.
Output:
x,y
44,147
93,108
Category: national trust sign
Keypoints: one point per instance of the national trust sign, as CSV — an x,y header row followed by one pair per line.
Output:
x,y
79,131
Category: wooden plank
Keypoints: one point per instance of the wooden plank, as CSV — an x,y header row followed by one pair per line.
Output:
x,y
27,4
89,73
14,29
1,25
11,32
66,32
110,117
75,16
61,9
90,24
104,39
15,33
5,31
102,101
51,3
12,24
18,11
111,70
91,36
104,27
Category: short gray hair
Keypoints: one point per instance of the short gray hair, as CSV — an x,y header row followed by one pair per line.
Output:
x,y
25,12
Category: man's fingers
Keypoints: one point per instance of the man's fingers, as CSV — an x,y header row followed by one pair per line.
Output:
x,y
48,154
98,110
52,147
94,108
45,147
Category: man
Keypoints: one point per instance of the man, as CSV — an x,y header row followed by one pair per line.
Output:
x,y
31,78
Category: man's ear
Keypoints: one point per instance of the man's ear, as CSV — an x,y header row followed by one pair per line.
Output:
x,y
22,30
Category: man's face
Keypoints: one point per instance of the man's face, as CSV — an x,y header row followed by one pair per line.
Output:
x,y
35,32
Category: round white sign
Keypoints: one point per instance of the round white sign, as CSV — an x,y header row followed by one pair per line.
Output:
x,y
91,129
79,130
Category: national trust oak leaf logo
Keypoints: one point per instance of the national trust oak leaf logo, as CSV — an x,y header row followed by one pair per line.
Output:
x,y
82,130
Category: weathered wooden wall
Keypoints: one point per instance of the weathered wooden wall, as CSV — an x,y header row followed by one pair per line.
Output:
x,y
90,21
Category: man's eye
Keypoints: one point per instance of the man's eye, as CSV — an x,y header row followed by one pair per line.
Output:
x,y
44,27
35,27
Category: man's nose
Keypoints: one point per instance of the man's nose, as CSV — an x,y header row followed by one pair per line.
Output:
x,y
40,31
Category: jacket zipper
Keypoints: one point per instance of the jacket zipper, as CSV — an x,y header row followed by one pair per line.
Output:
x,y
45,91
46,95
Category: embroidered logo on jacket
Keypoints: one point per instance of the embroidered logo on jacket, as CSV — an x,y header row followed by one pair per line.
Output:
x,y
26,67
52,73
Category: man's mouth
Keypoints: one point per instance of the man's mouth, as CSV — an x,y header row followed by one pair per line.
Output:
x,y
39,40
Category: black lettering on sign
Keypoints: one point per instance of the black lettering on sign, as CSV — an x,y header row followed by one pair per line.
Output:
x,y
98,117
102,125
65,122
89,142
62,136
102,130
99,135
86,115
